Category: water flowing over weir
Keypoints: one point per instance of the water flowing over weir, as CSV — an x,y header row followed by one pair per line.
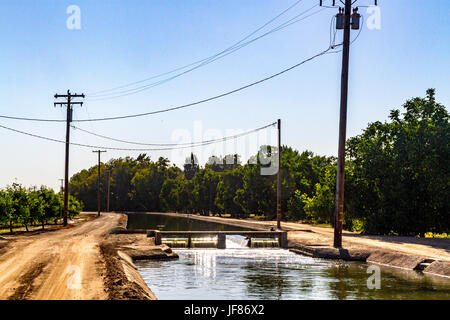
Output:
x,y
232,242
235,242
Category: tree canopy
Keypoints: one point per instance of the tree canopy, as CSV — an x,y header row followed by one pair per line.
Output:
x,y
21,206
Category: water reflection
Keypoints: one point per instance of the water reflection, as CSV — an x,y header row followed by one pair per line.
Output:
x,y
339,272
351,283
206,266
243,273
173,223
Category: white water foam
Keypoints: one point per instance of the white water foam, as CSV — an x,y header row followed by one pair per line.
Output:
x,y
236,242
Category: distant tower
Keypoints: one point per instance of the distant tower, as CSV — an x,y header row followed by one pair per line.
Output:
x,y
191,167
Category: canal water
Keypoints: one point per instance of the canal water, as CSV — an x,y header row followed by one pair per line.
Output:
x,y
240,273
171,223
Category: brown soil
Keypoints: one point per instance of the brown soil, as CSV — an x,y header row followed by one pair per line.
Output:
x,y
117,285
41,266
26,282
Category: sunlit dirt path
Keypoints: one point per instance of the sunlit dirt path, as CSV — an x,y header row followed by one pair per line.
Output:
x,y
63,264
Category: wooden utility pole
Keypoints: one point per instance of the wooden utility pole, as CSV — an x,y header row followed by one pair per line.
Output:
x,y
98,181
279,177
339,204
345,20
69,104
61,192
109,189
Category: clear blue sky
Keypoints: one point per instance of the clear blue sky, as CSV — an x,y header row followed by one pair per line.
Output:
x,y
125,41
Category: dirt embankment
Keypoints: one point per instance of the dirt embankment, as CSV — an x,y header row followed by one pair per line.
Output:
x,y
81,262
122,281
119,251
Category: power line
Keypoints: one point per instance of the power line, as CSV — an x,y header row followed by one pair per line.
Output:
x,y
176,144
214,97
326,51
32,119
181,146
202,60
133,91
123,93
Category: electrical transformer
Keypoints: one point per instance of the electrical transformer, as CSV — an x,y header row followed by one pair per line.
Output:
x,y
356,20
340,20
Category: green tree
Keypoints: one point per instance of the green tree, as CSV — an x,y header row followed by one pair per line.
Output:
x,y
320,207
401,171
169,195
51,205
185,195
74,207
226,196
147,184
37,207
7,214
257,194
295,207
204,191
21,205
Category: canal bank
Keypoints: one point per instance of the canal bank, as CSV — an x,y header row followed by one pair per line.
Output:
x,y
120,249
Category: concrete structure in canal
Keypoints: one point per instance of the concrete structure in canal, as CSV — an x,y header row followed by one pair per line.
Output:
x,y
221,236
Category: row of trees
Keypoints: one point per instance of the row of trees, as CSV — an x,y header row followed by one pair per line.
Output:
x,y
221,186
397,179
26,207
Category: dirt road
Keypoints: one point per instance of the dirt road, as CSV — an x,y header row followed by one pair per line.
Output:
x,y
63,264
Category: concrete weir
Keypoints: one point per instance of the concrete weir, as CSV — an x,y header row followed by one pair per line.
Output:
x,y
221,236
